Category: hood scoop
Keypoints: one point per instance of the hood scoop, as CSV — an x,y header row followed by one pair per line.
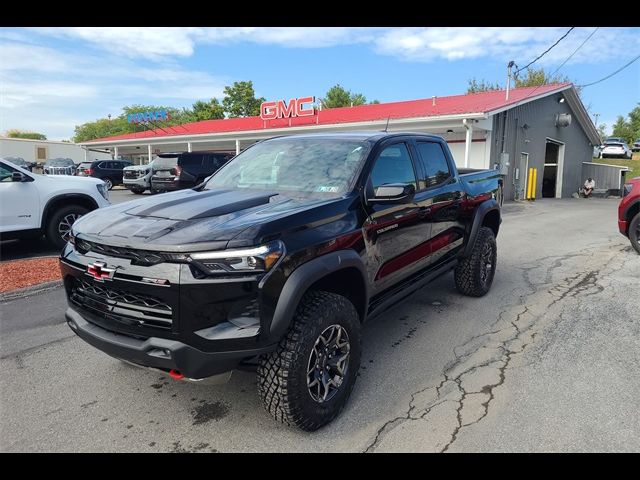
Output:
x,y
192,205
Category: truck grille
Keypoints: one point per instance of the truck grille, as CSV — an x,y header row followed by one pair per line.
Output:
x,y
138,257
133,174
124,307
59,170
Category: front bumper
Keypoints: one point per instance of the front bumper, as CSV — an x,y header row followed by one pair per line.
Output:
x,y
160,353
168,184
199,327
623,226
136,183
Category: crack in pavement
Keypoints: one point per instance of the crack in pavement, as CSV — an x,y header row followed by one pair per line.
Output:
x,y
496,351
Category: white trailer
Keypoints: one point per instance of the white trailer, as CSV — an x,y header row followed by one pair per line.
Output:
x,y
39,151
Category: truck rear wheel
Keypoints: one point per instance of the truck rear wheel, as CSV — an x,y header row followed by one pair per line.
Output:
x,y
634,232
307,380
474,275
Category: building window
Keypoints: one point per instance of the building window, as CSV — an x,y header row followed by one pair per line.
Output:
x,y
41,153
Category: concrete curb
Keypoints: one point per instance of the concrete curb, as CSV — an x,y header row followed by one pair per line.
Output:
x,y
29,291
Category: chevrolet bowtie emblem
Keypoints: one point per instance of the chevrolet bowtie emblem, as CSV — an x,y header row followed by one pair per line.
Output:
x,y
100,272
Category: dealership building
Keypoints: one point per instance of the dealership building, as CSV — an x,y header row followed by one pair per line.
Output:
x,y
545,128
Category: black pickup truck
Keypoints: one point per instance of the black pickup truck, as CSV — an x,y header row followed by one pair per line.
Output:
x,y
278,259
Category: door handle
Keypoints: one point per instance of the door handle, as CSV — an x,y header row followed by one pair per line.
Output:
x,y
424,211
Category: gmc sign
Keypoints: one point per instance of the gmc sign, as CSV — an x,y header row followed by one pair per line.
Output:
x,y
280,109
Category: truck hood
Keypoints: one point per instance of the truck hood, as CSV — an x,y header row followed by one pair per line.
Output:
x,y
189,220
69,180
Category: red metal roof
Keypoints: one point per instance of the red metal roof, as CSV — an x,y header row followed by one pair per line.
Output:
x,y
483,102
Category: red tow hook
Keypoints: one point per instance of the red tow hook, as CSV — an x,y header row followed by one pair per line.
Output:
x,y
176,375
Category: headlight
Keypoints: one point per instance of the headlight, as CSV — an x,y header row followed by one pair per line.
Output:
x,y
103,191
247,260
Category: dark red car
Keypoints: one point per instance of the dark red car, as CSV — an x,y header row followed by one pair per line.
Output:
x,y
629,212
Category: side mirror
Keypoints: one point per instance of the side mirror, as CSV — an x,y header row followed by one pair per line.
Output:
x,y
18,177
394,193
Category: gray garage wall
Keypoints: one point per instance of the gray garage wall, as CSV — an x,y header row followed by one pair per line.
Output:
x,y
540,116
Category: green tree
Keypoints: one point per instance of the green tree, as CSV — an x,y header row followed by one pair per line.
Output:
x,y
536,77
634,121
602,131
207,110
622,128
240,100
107,127
481,86
15,133
338,96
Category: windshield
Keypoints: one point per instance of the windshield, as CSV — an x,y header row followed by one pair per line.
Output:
x,y
323,165
59,162
164,162
17,161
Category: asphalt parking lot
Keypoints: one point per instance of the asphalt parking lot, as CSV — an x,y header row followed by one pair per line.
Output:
x,y
549,360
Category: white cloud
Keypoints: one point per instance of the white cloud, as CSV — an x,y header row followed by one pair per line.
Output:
x,y
157,43
517,43
41,84
411,44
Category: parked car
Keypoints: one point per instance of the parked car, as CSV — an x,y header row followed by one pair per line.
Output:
x,y
59,166
175,171
109,171
616,150
33,204
279,259
137,178
629,212
21,162
636,146
82,169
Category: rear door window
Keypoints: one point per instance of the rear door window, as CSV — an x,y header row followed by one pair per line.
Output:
x,y
165,163
191,161
434,164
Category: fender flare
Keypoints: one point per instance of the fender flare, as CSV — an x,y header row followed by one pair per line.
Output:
x,y
67,196
627,211
306,275
479,215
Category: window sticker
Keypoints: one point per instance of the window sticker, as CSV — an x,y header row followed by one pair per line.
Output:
x,y
327,188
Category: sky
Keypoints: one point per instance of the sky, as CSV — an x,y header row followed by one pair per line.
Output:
x,y
52,79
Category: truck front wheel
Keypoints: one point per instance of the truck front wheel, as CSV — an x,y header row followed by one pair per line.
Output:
x,y
307,380
59,226
474,275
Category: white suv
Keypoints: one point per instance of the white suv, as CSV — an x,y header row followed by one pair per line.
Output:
x,y
137,178
33,204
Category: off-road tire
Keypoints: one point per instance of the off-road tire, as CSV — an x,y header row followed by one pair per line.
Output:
x,y
138,191
468,274
634,232
282,374
55,221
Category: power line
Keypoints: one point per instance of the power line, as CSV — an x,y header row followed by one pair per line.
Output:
x,y
610,75
567,59
545,52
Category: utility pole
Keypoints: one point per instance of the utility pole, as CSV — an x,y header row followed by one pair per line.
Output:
x,y
509,66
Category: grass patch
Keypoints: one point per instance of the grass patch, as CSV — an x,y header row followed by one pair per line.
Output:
x,y
633,164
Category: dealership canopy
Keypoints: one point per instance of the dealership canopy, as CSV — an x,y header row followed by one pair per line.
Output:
x,y
465,121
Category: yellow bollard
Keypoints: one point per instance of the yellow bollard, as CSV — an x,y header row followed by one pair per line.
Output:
x,y
534,183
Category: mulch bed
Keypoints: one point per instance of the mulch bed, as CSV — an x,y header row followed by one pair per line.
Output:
x,y
25,273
